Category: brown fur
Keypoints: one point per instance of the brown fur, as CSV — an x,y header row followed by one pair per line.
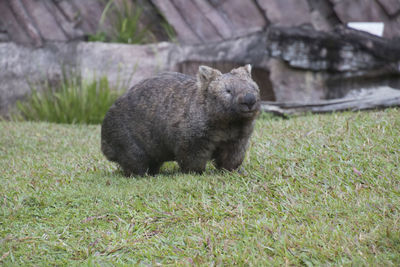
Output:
x,y
174,116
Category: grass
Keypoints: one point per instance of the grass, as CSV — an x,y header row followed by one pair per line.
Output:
x,y
72,101
315,190
125,24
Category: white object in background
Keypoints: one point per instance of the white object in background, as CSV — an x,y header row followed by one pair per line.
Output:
x,y
375,28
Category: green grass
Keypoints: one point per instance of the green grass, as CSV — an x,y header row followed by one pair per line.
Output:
x,y
315,190
125,21
127,25
72,101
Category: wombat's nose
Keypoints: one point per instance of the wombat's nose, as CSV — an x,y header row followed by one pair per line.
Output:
x,y
249,100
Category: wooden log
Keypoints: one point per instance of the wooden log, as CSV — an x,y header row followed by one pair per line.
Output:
x,y
381,97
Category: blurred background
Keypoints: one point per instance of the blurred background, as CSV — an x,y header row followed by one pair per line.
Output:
x,y
301,50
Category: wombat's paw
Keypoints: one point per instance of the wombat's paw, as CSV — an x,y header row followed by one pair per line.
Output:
x,y
193,171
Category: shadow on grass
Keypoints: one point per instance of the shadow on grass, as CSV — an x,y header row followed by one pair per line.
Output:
x,y
168,170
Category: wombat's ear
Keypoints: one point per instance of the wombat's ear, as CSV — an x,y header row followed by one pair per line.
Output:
x,y
207,74
246,70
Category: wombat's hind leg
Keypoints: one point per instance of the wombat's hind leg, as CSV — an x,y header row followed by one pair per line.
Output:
x,y
133,160
140,166
133,167
108,151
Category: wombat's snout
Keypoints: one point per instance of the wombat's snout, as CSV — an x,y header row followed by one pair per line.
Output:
x,y
248,102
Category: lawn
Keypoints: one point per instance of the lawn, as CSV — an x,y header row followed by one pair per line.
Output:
x,y
314,190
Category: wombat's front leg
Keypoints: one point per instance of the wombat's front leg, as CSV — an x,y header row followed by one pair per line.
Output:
x,y
191,164
230,155
194,161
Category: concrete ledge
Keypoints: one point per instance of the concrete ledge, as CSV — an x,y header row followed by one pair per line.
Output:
x,y
297,63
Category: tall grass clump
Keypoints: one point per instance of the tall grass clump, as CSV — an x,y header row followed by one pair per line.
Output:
x,y
73,100
125,22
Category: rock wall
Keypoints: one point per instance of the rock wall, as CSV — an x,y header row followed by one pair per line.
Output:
x,y
290,64
329,65
215,20
299,48
37,22
21,66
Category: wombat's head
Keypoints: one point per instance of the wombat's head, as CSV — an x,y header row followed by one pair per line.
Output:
x,y
233,94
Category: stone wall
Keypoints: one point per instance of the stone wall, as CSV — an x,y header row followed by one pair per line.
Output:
x,y
21,66
37,22
298,48
215,20
290,64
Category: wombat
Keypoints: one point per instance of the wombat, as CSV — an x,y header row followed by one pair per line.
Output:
x,y
176,117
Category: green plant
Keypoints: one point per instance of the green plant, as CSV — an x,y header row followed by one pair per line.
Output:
x,y
170,31
126,26
72,101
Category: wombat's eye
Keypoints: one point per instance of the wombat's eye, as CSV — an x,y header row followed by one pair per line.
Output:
x,y
229,91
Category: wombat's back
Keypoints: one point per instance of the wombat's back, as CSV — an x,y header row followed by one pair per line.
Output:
x,y
163,94
147,115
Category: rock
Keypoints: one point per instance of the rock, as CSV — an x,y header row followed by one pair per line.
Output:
x,y
323,16
286,12
296,85
392,7
385,11
124,65
20,66
371,98
289,63
332,63
247,49
194,21
244,17
343,50
202,21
